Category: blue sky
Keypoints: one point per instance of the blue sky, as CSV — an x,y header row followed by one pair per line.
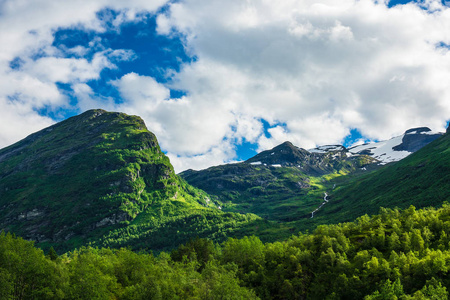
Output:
x,y
218,82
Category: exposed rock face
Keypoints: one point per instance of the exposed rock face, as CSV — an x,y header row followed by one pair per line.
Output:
x,y
30,214
285,154
112,220
416,138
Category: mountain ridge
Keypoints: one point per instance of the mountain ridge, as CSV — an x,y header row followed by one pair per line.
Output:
x,y
287,183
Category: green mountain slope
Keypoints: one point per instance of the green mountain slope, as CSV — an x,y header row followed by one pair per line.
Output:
x,y
101,177
282,184
421,179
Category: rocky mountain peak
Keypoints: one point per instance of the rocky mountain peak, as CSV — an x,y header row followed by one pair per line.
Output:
x,y
416,138
285,154
417,130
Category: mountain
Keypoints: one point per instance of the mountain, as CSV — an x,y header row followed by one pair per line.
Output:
x,y
314,163
281,184
398,147
391,150
422,179
101,178
288,183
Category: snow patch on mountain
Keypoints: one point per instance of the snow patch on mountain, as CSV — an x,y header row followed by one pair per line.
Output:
x,y
398,147
382,150
388,151
327,148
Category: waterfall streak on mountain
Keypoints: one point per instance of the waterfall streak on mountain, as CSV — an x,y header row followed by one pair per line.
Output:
x,y
325,200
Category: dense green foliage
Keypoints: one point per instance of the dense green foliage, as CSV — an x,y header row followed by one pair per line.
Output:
x,y
393,255
167,232
91,273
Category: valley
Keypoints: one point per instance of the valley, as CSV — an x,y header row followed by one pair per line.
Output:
x,y
100,179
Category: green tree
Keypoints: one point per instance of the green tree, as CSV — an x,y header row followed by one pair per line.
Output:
x,y
387,291
198,249
26,273
52,254
91,274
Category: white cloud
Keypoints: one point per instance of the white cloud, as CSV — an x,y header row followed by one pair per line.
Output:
x,y
182,126
17,119
319,68
66,70
214,156
312,70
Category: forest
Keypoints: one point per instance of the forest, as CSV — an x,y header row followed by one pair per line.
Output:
x,y
397,254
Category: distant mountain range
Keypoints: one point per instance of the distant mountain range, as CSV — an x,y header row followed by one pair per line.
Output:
x,y
101,179
383,152
288,183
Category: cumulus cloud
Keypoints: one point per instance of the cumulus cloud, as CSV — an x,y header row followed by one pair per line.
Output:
x,y
314,70
17,119
183,126
310,70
